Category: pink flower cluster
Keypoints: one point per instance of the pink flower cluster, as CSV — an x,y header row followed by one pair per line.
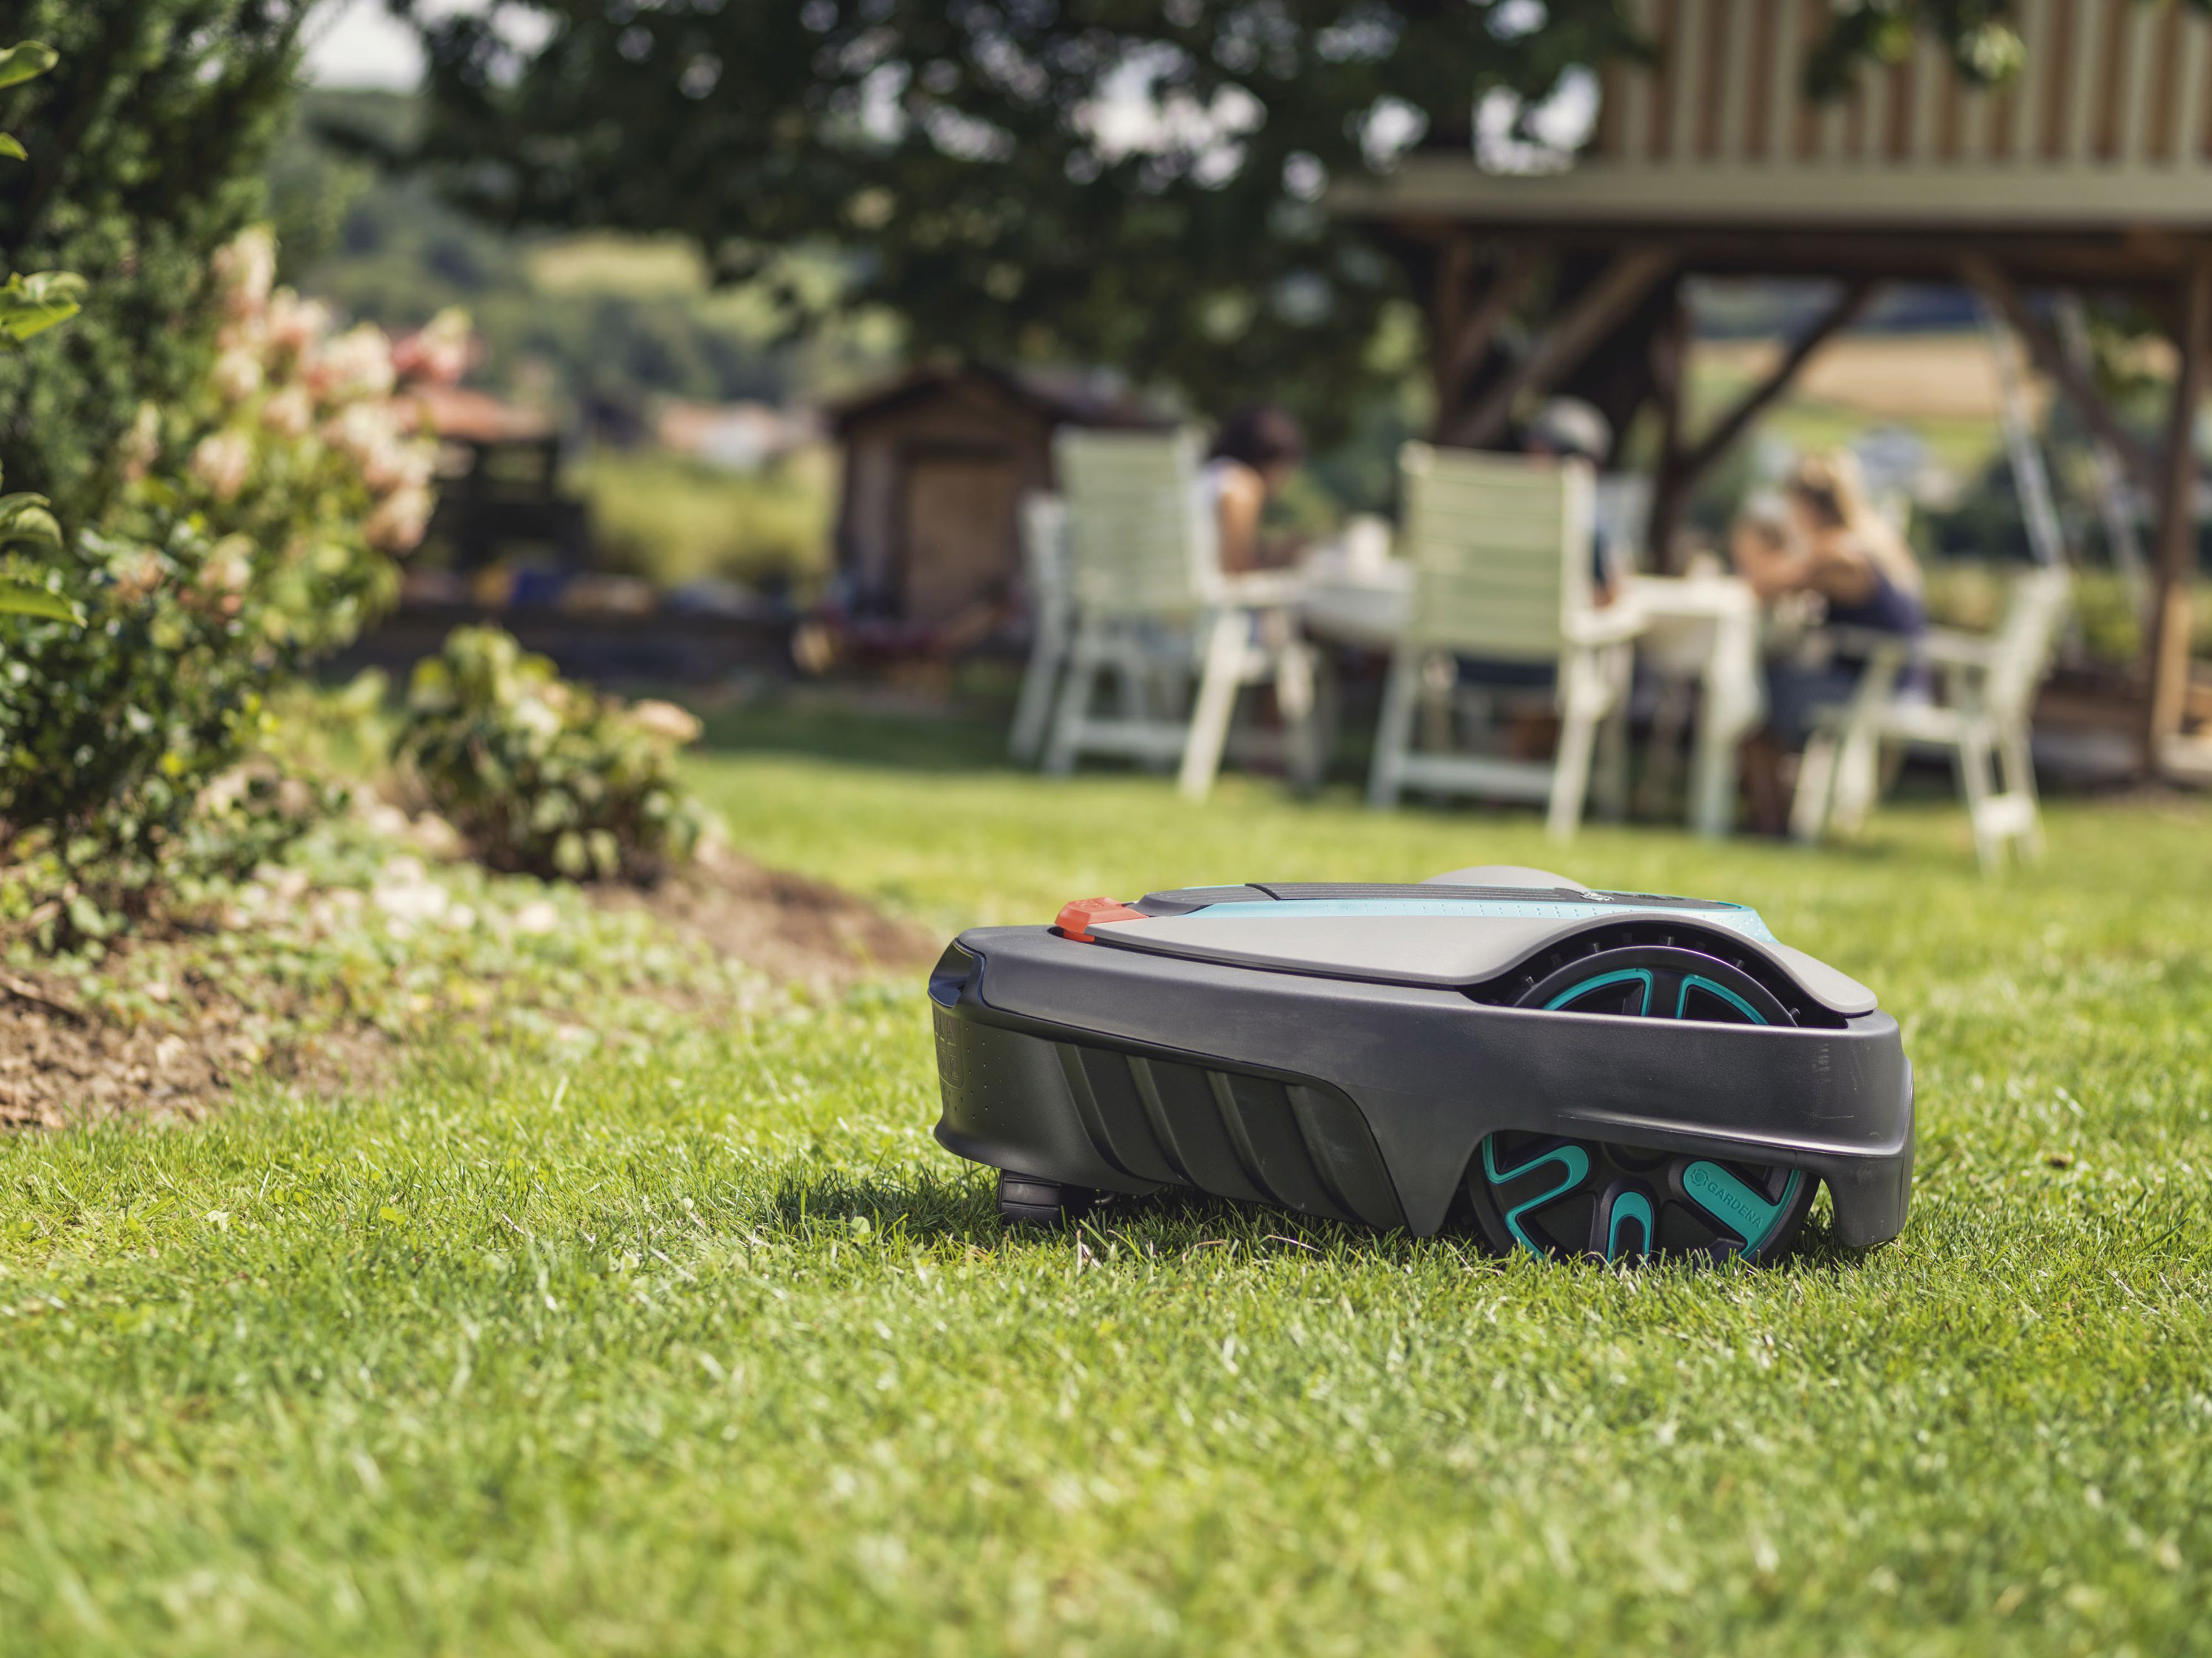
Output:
x,y
285,379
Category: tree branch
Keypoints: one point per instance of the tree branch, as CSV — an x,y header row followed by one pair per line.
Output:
x,y
1693,466
1563,346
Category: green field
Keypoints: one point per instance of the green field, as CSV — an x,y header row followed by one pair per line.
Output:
x,y
709,1348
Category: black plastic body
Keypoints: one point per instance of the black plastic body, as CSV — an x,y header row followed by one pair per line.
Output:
x,y
1124,1071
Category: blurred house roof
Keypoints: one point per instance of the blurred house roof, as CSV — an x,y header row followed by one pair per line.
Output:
x,y
473,417
2107,130
1071,398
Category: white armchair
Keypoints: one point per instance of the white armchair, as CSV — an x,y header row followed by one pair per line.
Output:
x,y
1988,686
1501,547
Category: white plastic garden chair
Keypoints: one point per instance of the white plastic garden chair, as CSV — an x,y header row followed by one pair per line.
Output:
x,y
1153,605
1052,618
1501,550
1988,686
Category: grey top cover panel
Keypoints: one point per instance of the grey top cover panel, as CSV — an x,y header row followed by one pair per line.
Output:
x,y
1443,951
1503,874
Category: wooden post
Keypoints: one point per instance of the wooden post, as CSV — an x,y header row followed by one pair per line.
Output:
x,y
2166,632
1670,372
1682,465
1753,403
1451,287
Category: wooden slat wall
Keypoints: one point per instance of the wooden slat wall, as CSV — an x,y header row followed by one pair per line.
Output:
x,y
2186,133
2110,84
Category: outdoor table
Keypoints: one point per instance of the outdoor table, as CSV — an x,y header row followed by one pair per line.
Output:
x,y
1362,604
1703,627
1707,628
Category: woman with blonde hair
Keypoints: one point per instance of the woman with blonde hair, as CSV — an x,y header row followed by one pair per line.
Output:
x,y
1826,539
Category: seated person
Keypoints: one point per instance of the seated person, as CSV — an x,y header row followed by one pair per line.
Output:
x,y
1250,461
1823,537
1568,427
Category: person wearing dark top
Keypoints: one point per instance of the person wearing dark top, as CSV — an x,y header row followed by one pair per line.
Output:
x,y
1253,458
1828,539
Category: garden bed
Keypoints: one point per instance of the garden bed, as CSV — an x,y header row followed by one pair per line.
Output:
x,y
319,975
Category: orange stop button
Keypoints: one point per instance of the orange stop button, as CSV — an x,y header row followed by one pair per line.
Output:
x,y
1077,920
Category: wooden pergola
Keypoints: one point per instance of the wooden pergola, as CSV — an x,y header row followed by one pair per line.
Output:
x,y
2091,173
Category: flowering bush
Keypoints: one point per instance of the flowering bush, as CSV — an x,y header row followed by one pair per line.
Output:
x,y
307,442
256,529
541,776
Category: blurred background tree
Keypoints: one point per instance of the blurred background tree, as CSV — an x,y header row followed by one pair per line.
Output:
x,y
1130,183
1109,182
606,326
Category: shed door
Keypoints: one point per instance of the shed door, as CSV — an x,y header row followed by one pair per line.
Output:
x,y
957,548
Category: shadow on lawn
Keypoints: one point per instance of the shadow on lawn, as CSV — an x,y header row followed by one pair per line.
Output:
x,y
958,1206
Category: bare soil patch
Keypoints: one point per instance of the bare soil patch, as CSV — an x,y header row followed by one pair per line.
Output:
x,y
63,1064
792,927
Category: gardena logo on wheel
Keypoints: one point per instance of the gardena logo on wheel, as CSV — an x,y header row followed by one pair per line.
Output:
x,y
1724,1195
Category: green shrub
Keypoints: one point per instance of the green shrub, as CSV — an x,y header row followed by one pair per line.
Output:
x,y
1970,593
112,729
148,140
221,537
254,530
545,777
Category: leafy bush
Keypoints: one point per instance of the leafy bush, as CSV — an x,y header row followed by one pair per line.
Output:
x,y
114,730
224,535
304,442
254,530
1971,594
543,776
149,139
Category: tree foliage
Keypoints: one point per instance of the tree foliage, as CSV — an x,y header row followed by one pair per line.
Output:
x,y
1135,182
1985,47
147,142
1112,180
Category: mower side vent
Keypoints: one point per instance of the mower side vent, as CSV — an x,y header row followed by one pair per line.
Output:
x,y
1235,1134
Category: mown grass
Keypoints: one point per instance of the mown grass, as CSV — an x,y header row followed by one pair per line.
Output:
x,y
708,1348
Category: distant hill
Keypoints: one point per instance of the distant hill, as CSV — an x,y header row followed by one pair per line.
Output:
x,y
598,327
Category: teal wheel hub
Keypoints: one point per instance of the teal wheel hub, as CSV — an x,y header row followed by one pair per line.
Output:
x,y
1554,1196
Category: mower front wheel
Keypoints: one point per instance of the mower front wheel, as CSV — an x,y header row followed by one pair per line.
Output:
x,y
1024,1200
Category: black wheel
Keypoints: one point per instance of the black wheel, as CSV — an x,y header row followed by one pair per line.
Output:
x,y
1024,1200
1556,1196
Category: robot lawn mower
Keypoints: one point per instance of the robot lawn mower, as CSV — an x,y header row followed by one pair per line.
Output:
x,y
1577,1073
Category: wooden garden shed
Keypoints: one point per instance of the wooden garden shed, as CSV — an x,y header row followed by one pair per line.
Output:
x,y
935,467
2092,171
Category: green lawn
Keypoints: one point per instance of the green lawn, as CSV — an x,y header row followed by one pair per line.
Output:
x,y
708,1348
